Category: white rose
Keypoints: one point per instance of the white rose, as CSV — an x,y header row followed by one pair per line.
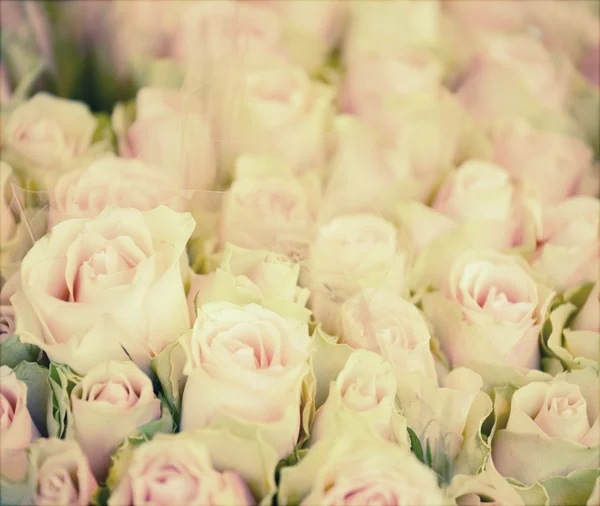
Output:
x,y
365,387
384,322
46,135
246,363
350,253
108,404
104,288
111,182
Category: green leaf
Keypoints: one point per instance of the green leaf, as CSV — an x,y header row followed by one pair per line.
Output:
x,y
415,445
168,367
38,392
100,497
62,381
104,131
12,351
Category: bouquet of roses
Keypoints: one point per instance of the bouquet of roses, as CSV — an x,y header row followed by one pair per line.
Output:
x,y
299,252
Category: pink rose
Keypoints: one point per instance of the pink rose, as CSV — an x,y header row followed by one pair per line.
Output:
x,y
272,211
111,182
178,470
108,404
266,107
351,253
552,163
527,59
589,65
7,322
238,355
556,420
372,79
101,288
493,311
60,474
171,130
16,426
384,322
569,253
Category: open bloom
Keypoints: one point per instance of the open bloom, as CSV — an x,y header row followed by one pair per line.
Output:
x,y
108,287
246,363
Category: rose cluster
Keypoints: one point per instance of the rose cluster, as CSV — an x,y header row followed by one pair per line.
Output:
x,y
299,252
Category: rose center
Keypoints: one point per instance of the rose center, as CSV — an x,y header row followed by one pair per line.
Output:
x,y
56,488
7,410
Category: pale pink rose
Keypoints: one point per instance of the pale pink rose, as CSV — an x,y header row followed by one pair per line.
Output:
x,y
493,313
526,58
60,474
396,25
108,404
8,184
551,162
268,107
246,363
211,31
93,288
480,190
351,253
274,213
16,426
493,16
569,253
589,65
47,135
115,182
371,79
171,130
365,387
178,471
560,419
386,323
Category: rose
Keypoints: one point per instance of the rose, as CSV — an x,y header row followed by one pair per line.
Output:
x,y
396,25
354,466
365,387
527,58
274,212
178,470
551,162
573,335
60,473
46,135
488,487
246,363
16,426
108,404
588,66
252,276
171,130
271,108
373,78
213,31
7,322
311,29
493,311
350,253
569,252
113,287
557,417
111,182
382,321
8,223
446,418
